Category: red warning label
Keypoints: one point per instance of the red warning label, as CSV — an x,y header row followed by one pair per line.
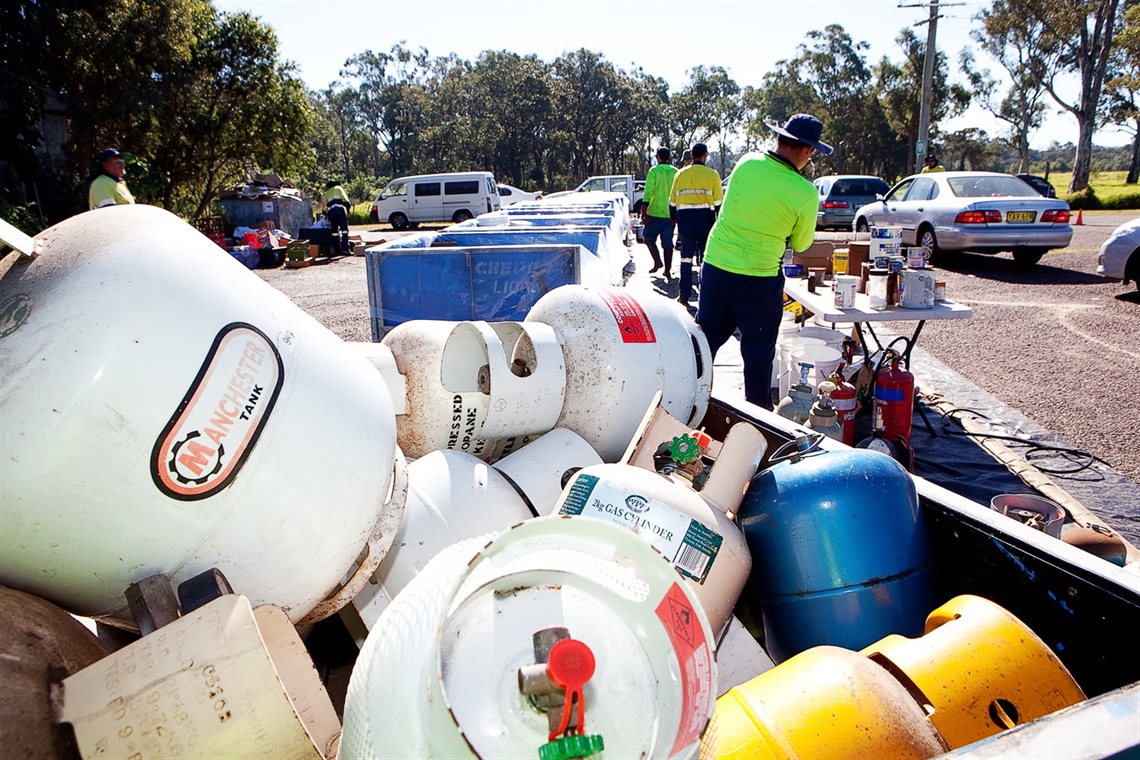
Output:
x,y
631,319
693,654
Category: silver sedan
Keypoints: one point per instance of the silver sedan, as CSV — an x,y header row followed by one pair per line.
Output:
x,y
983,212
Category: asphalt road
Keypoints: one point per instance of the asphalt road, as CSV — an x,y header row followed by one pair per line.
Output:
x,y
1056,343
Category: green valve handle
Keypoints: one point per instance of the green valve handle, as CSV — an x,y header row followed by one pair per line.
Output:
x,y
687,447
580,745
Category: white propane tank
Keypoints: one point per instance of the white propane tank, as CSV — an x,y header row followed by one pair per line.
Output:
x,y
621,347
476,387
440,674
454,496
691,529
165,410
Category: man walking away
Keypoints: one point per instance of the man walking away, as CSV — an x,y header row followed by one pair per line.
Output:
x,y
336,210
693,204
109,188
772,206
655,211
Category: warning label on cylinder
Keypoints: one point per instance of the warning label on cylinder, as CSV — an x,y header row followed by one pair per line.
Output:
x,y
632,321
688,639
215,427
687,544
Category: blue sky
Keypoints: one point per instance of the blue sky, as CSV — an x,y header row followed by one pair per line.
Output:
x,y
666,38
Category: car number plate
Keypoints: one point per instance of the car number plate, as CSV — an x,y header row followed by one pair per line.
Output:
x,y
1020,216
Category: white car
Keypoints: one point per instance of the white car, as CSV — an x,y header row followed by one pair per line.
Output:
x,y
1120,255
509,195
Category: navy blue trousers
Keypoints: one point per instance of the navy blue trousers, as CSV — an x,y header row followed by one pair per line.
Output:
x,y
694,226
730,301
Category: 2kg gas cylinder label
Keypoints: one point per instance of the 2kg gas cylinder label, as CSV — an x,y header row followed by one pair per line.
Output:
x,y
687,544
632,321
215,427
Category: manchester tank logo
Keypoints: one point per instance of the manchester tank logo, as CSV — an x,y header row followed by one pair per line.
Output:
x,y
215,427
637,503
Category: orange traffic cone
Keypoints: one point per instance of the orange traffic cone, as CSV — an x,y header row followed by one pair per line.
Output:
x,y
1079,219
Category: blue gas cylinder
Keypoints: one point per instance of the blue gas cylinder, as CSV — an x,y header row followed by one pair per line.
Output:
x,y
839,550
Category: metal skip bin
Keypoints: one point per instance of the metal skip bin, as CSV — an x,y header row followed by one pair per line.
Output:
x,y
450,669
156,397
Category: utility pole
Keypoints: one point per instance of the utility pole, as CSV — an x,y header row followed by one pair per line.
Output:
x,y
930,56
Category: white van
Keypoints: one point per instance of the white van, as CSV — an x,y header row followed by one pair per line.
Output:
x,y
456,197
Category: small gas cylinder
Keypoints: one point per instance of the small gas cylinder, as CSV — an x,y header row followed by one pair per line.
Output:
x,y
843,398
823,418
826,702
796,406
621,347
694,533
839,550
454,496
894,401
162,407
476,387
980,668
442,673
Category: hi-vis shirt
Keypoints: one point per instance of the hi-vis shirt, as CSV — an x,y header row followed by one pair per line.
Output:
x,y
771,207
696,187
108,191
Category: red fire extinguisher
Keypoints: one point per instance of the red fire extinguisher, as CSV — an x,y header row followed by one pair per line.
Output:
x,y
894,401
843,400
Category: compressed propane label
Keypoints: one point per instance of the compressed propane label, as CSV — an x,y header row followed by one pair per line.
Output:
x,y
688,639
687,544
217,424
632,321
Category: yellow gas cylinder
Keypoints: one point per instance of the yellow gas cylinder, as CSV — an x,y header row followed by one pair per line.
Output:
x,y
826,702
980,668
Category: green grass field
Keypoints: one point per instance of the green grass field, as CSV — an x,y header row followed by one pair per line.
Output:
x,y
1109,188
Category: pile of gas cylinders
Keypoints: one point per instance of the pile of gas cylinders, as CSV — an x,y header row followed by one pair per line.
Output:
x,y
536,547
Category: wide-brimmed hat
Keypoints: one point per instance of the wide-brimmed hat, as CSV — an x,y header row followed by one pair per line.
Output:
x,y
804,128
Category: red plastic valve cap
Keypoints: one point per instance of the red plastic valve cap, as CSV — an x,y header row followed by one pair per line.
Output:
x,y
570,664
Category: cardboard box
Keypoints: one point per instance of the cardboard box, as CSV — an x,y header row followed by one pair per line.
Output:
x,y
818,255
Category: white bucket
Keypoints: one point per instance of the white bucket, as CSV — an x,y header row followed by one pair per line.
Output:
x,y
791,371
621,347
789,331
823,359
130,342
829,336
886,241
438,676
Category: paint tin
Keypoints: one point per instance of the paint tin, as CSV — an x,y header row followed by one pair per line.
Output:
x,y
916,258
917,289
839,262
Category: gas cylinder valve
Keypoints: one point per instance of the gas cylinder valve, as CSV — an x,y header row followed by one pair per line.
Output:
x,y
556,685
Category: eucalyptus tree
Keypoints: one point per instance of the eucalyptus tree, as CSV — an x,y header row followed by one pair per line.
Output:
x,y
234,102
1124,86
336,127
1080,34
711,100
392,98
585,90
1020,50
513,93
899,88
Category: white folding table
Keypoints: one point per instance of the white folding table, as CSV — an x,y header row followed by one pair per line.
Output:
x,y
822,303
